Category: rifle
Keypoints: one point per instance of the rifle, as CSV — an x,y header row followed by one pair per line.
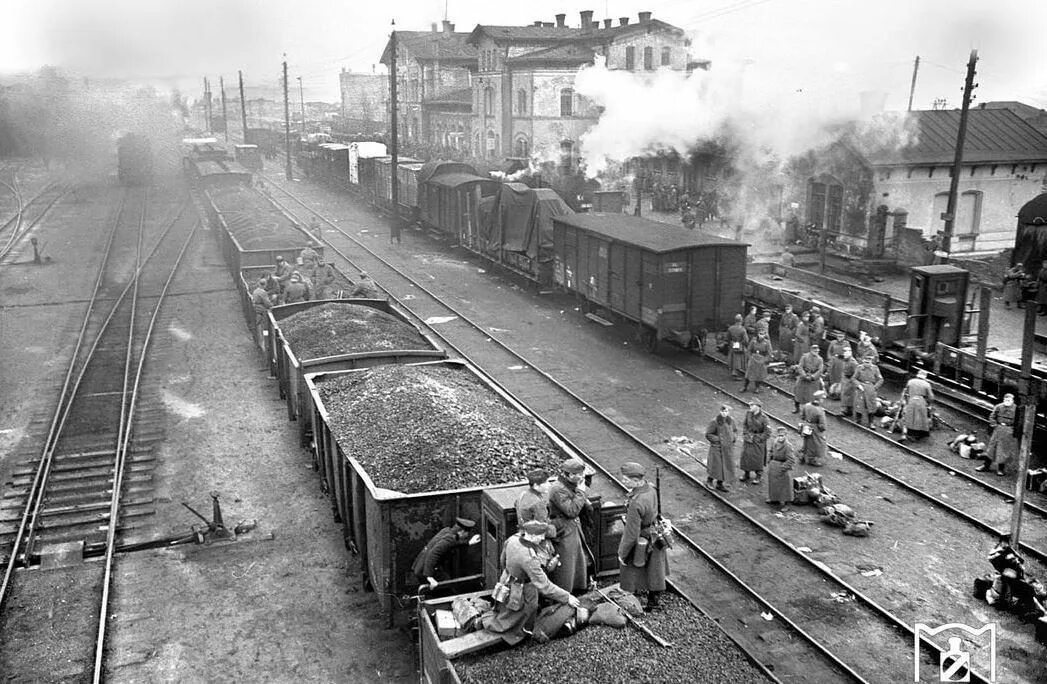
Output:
x,y
662,534
636,623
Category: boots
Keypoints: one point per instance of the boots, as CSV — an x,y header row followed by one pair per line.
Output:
x,y
757,477
653,601
744,477
796,407
745,387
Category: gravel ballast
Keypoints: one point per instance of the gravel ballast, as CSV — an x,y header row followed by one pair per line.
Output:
x,y
431,428
597,653
331,329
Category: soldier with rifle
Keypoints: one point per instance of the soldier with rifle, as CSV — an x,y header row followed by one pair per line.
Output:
x,y
642,564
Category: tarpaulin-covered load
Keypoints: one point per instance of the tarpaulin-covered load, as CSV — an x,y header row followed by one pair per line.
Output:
x,y
518,228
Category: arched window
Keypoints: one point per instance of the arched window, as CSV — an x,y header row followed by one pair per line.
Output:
x,y
488,101
521,101
667,56
567,102
523,148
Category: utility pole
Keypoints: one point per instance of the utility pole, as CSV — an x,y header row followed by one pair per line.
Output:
x,y
243,105
1029,403
301,100
912,88
287,127
394,231
225,114
207,104
957,165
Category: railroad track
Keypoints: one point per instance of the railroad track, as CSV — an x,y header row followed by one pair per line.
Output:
x,y
27,215
817,629
90,483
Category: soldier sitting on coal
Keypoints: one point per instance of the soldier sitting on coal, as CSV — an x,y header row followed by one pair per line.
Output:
x,y
365,288
431,564
527,558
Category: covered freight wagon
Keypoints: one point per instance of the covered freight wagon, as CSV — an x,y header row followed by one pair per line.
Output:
x,y
675,284
361,165
406,198
518,230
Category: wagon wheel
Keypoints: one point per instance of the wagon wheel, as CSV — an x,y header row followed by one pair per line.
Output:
x,y
649,339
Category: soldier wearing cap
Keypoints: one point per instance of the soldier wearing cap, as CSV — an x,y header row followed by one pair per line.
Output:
x,y
755,433
756,369
533,502
642,566
849,366
836,358
567,501
309,257
867,382
808,378
737,342
817,329
787,330
282,272
802,338
866,347
812,428
749,322
721,435
431,562
261,303
365,288
763,324
296,290
917,398
781,460
526,557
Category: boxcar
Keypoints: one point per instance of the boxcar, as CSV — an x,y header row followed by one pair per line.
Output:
x,y
383,187
249,156
291,366
674,284
390,528
518,230
334,164
453,206
361,166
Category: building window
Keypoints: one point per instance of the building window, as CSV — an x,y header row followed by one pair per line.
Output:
x,y
968,213
521,102
523,149
491,144
825,204
648,58
630,57
667,56
567,102
488,101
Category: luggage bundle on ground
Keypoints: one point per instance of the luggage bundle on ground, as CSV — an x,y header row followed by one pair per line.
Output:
x,y
1010,589
809,489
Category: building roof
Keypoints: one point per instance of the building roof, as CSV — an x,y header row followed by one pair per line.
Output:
x,y
435,45
553,34
459,96
993,135
644,233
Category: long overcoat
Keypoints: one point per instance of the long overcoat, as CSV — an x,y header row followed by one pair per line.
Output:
x,y
641,511
566,502
532,504
1003,445
809,379
836,360
850,367
801,341
867,382
737,342
786,331
781,461
759,355
917,396
524,562
721,435
755,433
814,444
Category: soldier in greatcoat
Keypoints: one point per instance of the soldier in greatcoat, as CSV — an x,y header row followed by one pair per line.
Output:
x,y
525,557
533,502
916,406
638,575
737,342
365,288
759,354
721,435
567,500
849,367
755,433
802,338
1003,443
749,322
296,291
763,324
866,348
309,257
836,357
781,459
808,378
817,329
282,272
867,382
261,303
431,562
812,429
324,282
787,330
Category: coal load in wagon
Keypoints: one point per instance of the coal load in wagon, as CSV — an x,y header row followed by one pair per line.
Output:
x,y
428,428
333,329
255,221
598,653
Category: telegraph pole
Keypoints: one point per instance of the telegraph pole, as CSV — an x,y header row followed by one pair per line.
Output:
x,y
301,99
957,165
225,115
207,103
1029,402
394,232
243,105
287,127
912,88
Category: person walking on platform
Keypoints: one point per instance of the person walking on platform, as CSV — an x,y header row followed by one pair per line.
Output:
x,y
1003,443
1013,278
866,348
759,353
755,433
812,429
787,331
808,378
867,382
802,338
781,459
749,322
533,502
737,343
567,500
642,566
525,560
849,367
836,363
721,435
916,407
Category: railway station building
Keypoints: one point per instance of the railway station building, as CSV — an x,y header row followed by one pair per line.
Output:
x,y
889,199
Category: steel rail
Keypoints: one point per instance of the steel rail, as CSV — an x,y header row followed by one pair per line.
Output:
x,y
821,568
21,229
118,478
17,218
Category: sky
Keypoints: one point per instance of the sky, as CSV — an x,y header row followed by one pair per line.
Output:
x,y
828,49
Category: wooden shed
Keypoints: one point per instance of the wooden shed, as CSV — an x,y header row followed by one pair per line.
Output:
x,y
675,283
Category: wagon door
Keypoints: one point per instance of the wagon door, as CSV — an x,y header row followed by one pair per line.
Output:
x,y
705,299
632,281
616,282
598,268
675,290
565,242
651,291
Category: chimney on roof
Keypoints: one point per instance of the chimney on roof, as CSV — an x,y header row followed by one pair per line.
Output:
x,y
434,27
538,23
548,24
587,18
448,26
645,17
607,23
561,20
623,21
